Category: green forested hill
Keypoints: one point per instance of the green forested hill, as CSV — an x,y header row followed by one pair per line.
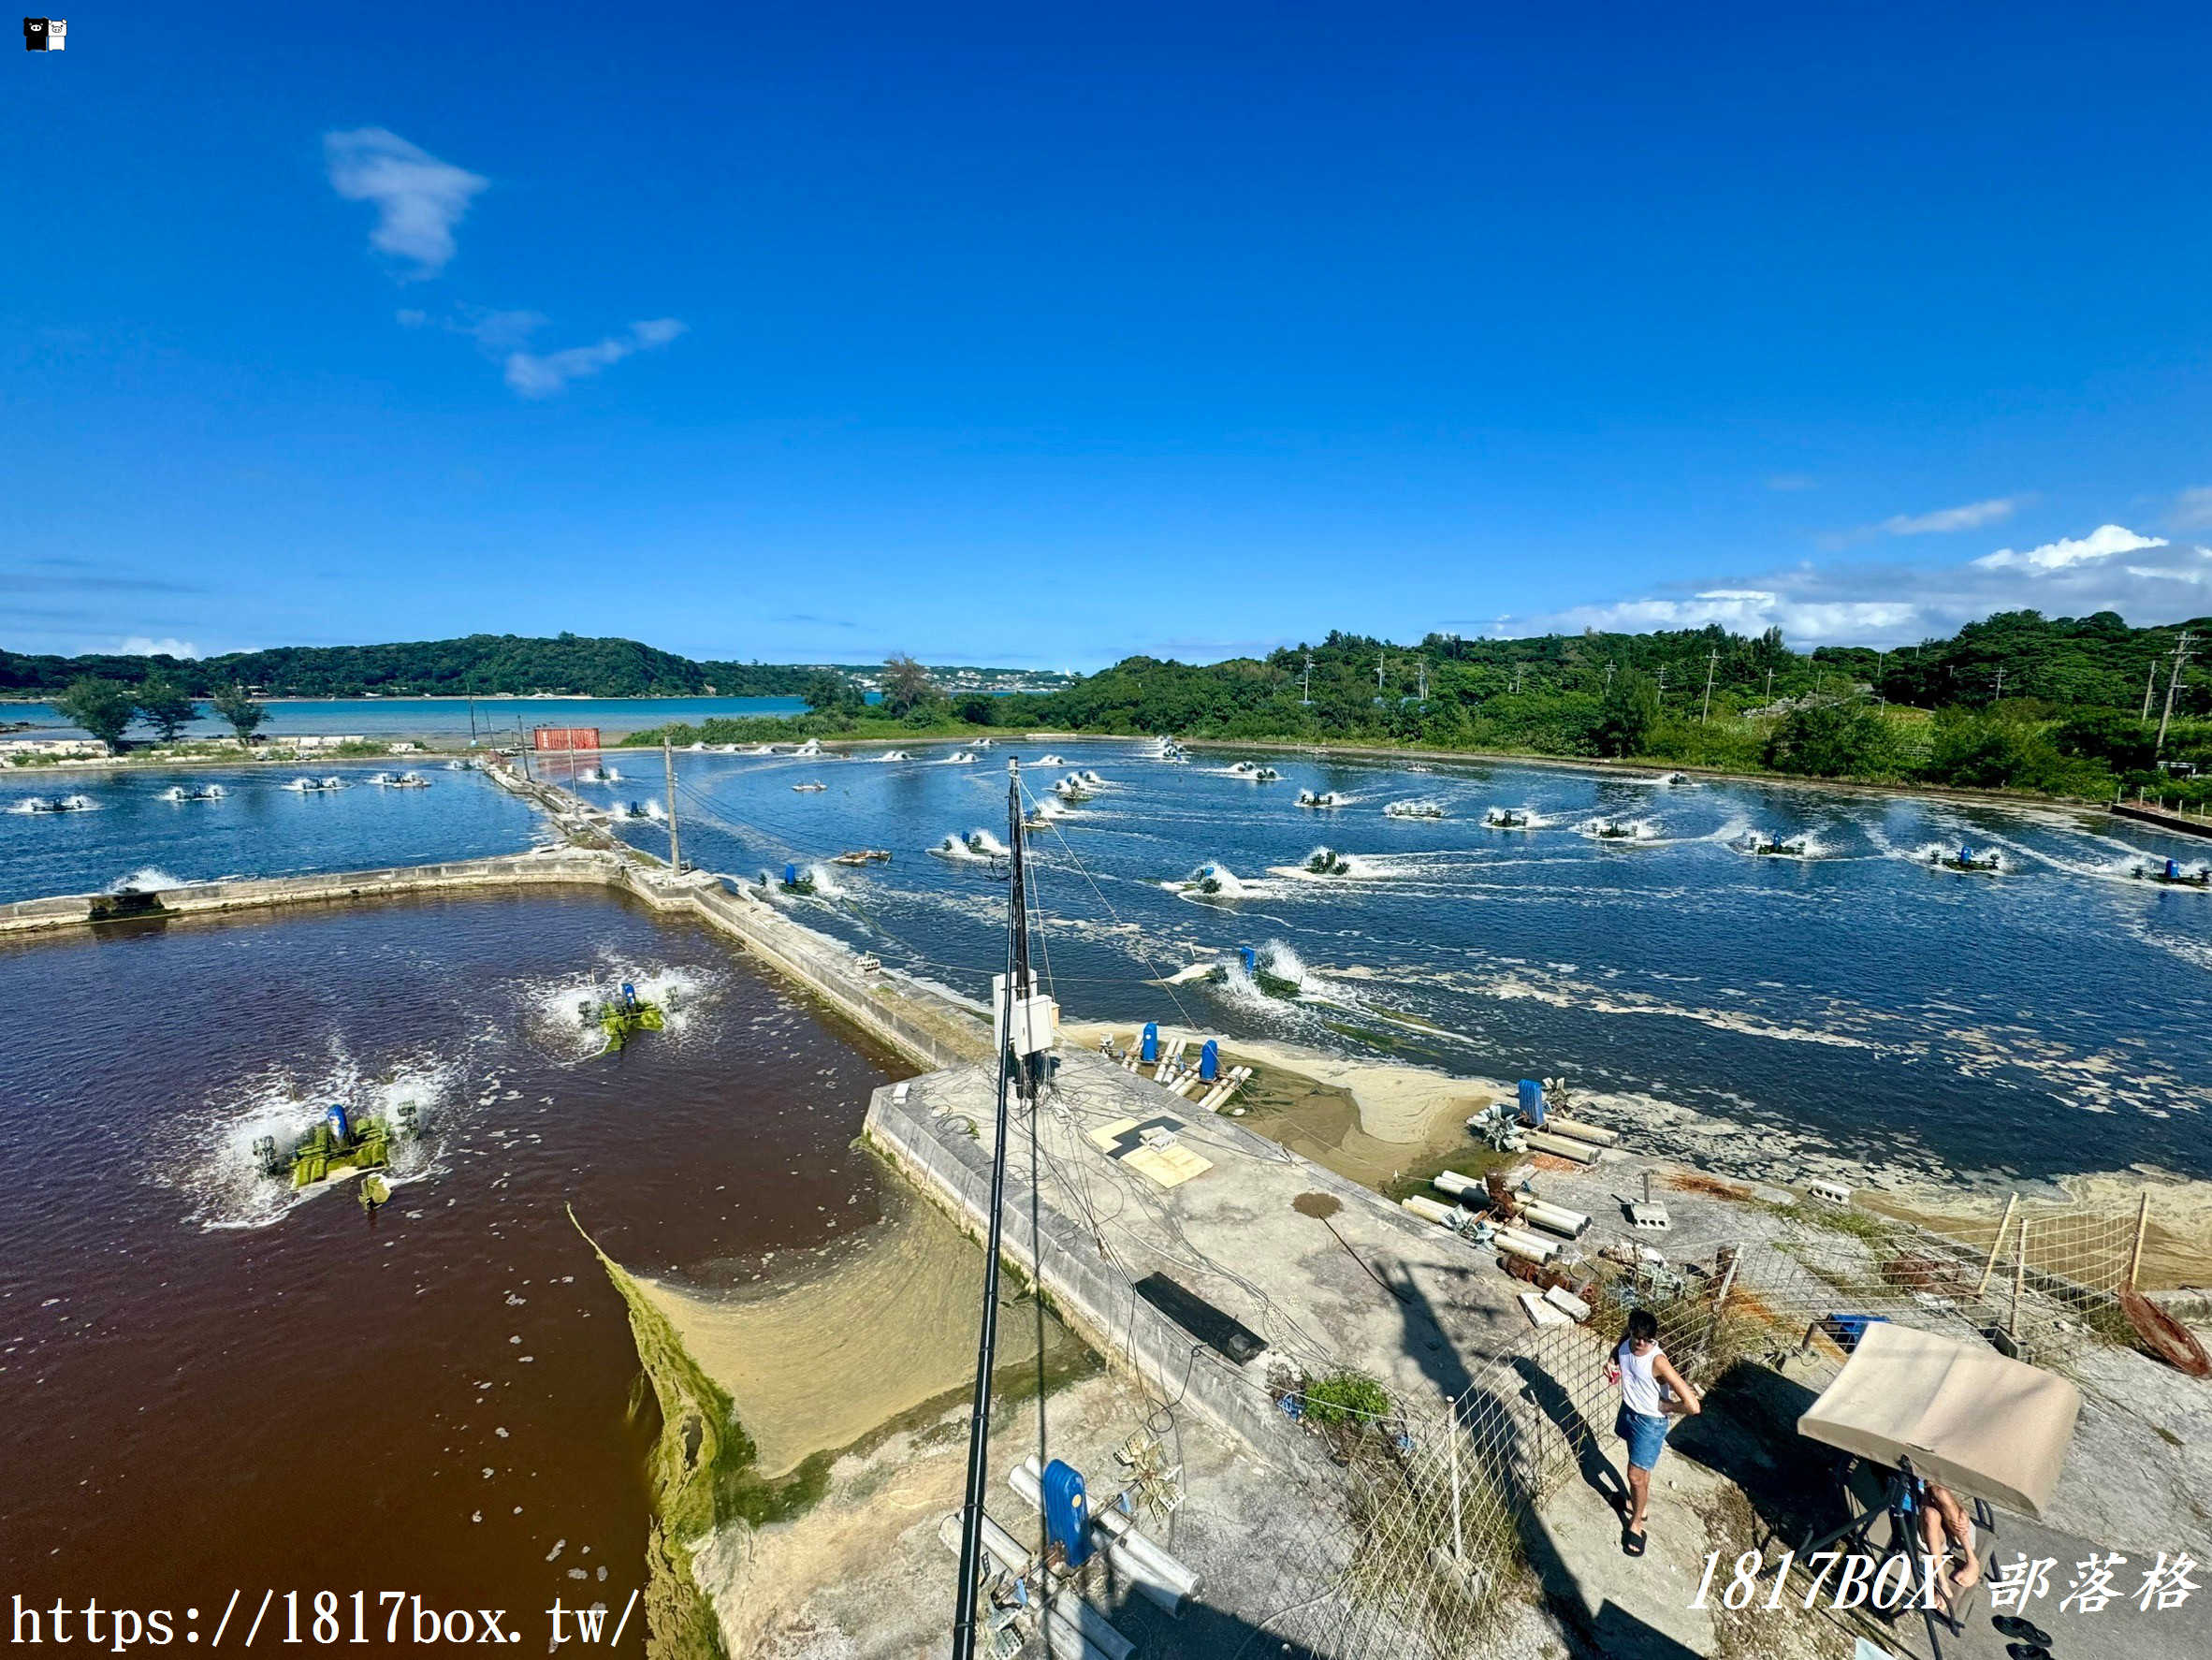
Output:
x,y
573,665
2065,717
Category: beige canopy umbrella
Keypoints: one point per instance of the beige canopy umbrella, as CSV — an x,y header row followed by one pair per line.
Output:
x,y
1967,1417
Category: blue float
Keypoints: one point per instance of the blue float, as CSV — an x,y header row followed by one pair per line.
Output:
x,y
1251,957
342,1126
2172,869
1067,1514
1150,1051
1209,1062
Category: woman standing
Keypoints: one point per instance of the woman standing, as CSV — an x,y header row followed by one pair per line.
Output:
x,y
1650,1389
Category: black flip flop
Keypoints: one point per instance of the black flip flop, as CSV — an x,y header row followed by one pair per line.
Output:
x,y
2027,1651
2021,1631
1632,1543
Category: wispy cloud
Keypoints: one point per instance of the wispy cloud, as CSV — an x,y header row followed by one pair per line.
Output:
x,y
140,646
2192,509
419,199
2144,579
538,374
1971,517
811,619
30,582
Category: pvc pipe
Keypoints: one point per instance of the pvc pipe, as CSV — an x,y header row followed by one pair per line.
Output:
x,y
1544,1141
1078,1626
1151,1569
1513,1241
1453,1182
1593,1134
1556,1217
1428,1210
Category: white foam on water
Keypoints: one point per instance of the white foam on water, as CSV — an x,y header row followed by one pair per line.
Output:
x,y
1356,868
1535,819
1415,807
45,804
1223,880
145,878
554,1014
207,1153
1933,853
1640,830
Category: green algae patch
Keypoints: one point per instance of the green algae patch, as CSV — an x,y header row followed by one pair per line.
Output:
x,y
702,1473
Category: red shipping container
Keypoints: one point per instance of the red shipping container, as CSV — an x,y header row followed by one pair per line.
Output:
x,y
566,737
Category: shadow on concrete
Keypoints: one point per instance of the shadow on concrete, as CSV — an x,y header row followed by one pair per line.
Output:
x,y
1614,1632
1556,1403
1748,1434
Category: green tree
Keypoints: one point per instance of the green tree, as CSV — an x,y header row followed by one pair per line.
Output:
x,y
102,708
165,706
1831,740
1627,716
907,686
829,693
233,704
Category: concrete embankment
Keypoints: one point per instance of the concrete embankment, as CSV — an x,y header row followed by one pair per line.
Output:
x,y
2142,812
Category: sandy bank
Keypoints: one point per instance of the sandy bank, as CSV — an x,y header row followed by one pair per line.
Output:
x,y
817,1362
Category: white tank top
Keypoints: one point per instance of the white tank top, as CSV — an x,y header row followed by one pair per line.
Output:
x,y
1639,1383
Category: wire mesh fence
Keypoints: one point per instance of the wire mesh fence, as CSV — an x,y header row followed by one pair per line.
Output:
x,y
1425,1512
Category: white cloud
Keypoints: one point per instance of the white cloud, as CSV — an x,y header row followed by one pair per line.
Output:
x,y
1895,603
541,375
2099,544
1972,515
140,646
419,199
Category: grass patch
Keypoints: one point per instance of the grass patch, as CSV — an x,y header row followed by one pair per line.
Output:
x,y
1475,1162
1350,1399
1835,1218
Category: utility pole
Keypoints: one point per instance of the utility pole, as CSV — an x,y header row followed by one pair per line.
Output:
x,y
1609,676
2150,685
1014,1071
1379,660
1769,685
2173,680
1711,662
675,858
1307,700
2000,697
1424,692
1662,683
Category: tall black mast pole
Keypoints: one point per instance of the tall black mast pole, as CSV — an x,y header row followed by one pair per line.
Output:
x,y
979,1423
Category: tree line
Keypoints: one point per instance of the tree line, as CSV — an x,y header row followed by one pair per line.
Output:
x,y
567,664
2070,706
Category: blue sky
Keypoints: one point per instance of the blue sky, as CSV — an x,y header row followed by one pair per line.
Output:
x,y
1032,336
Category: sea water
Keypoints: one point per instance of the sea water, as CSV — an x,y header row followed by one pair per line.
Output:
x,y
495,721
1753,1013
134,834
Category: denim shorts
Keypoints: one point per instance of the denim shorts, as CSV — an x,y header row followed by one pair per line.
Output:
x,y
1646,1437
